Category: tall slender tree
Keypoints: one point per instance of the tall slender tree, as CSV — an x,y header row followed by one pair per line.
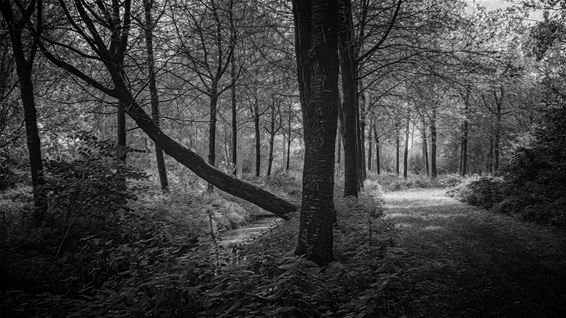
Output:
x,y
17,17
148,28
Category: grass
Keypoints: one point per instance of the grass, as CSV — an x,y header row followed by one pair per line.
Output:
x,y
459,261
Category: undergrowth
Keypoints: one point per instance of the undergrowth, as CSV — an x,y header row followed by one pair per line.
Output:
x,y
157,260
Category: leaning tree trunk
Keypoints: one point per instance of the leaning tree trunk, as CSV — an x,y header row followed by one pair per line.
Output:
x,y
317,60
160,160
24,68
433,144
348,66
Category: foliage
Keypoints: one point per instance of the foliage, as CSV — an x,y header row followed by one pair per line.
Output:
x,y
161,265
483,191
533,182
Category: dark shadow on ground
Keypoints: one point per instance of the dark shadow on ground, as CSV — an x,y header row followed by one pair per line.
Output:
x,y
461,261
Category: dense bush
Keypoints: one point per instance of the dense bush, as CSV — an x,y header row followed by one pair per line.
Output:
x,y
532,181
485,191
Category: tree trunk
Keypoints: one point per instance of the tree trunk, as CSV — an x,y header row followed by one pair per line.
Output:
x,y
161,170
397,146
425,149
370,145
257,139
234,117
317,60
496,146
377,148
271,140
212,131
338,146
289,127
24,68
348,66
433,144
464,143
362,140
121,131
406,152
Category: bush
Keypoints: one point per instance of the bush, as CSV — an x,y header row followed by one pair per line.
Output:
x,y
450,180
483,191
532,182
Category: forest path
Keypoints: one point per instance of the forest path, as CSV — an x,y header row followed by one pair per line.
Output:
x,y
462,261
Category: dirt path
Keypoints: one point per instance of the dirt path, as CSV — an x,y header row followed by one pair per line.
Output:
x,y
460,261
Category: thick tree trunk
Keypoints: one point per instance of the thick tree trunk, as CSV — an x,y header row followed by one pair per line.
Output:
x,y
257,139
24,68
212,131
348,66
317,60
160,160
406,152
433,144
425,150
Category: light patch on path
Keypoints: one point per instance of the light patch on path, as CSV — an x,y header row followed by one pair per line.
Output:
x,y
461,261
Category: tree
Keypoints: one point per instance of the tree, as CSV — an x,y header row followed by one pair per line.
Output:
x,y
317,59
17,23
91,28
149,26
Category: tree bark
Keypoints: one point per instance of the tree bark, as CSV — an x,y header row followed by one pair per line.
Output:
x,y
317,60
149,25
433,144
24,68
348,66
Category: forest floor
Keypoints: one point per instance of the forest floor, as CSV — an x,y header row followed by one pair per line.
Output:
x,y
461,261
